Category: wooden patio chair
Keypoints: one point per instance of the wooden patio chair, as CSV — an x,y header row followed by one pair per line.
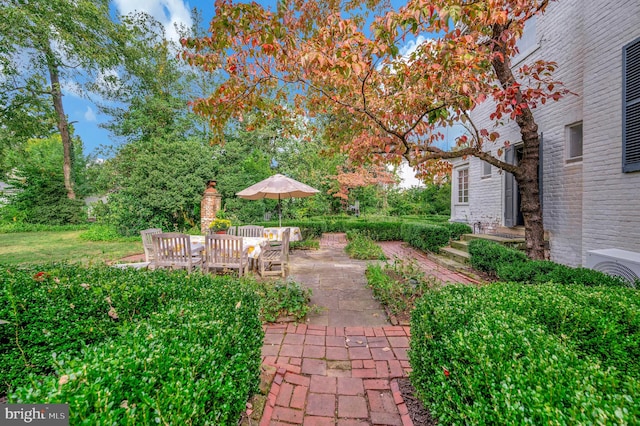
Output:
x,y
250,231
147,243
274,260
233,230
173,251
223,252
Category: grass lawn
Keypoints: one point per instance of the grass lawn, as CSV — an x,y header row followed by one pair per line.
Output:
x,y
34,247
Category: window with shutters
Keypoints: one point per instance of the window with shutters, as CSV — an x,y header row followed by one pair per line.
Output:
x,y
631,107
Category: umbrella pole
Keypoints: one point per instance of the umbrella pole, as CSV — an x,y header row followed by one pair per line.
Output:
x,y
279,212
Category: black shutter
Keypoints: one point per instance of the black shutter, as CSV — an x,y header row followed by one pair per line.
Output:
x,y
631,107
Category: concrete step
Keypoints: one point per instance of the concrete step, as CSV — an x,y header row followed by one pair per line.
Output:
x,y
516,231
453,265
460,245
496,238
455,254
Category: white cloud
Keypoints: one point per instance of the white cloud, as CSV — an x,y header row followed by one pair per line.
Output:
x,y
109,80
89,115
408,176
167,12
72,88
411,46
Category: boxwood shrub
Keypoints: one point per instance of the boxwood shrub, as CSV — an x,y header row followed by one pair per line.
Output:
x,y
419,232
531,272
425,237
518,354
457,229
129,347
379,230
487,256
543,271
583,276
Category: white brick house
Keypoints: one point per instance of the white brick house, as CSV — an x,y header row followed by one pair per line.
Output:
x,y
589,201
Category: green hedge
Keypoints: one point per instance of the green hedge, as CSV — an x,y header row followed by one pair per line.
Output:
x,y
457,229
419,234
543,271
487,256
425,237
509,264
518,354
134,346
380,230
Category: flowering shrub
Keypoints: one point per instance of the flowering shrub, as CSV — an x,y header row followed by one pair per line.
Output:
x,y
220,224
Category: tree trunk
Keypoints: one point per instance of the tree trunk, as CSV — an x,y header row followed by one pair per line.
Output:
x,y
63,126
530,204
527,173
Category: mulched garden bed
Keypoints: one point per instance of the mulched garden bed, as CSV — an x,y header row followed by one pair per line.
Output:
x,y
420,416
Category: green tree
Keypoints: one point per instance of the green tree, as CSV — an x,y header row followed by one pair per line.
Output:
x,y
147,98
25,113
50,41
157,176
39,196
157,183
252,154
432,199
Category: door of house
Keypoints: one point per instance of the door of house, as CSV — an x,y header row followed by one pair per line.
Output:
x,y
512,212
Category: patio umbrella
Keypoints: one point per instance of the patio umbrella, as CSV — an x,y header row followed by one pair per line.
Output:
x,y
277,187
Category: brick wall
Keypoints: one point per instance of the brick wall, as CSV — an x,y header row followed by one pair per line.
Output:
x,y
590,204
611,217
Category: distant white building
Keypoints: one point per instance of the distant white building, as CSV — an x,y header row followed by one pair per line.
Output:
x,y
590,162
5,189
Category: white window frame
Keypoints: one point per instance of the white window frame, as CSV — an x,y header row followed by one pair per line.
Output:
x,y
570,135
462,186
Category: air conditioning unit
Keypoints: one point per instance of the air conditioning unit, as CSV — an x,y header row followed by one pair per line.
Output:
x,y
621,263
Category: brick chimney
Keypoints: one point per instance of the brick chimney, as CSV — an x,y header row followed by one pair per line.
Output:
x,y
211,203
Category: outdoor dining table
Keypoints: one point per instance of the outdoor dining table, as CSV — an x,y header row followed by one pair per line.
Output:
x,y
275,234
251,245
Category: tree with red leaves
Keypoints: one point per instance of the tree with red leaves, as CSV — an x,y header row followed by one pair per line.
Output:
x,y
330,58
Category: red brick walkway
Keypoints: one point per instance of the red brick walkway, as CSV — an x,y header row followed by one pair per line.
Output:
x,y
430,268
401,250
342,375
336,375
